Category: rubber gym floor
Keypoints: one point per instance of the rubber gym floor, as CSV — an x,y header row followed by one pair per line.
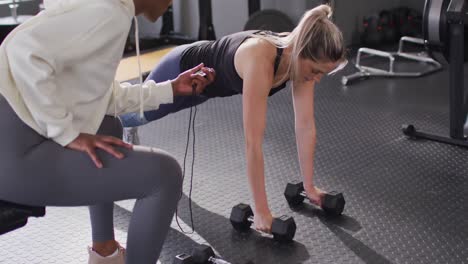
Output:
x,y
406,200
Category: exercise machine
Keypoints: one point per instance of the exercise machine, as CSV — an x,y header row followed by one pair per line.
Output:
x,y
445,34
271,19
267,19
206,31
169,37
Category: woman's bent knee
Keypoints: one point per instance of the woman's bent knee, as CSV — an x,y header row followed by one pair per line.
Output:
x,y
173,172
168,168
159,170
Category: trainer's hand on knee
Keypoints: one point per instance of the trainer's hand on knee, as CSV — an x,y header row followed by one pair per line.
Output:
x,y
183,85
88,143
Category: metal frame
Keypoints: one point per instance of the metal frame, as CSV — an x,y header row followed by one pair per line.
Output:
x,y
206,30
254,6
367,71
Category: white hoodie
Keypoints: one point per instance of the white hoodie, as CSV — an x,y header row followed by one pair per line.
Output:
x,y
57,69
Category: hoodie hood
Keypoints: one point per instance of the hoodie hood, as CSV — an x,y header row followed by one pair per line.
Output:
x,y
60,4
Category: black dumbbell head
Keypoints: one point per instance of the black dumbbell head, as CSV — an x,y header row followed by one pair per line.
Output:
x,y
283,228
183,259
333,203
240,217
293,193
408,130
202,253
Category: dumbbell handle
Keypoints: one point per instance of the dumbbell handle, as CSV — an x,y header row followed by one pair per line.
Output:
x,y
217,261
304,194
251,219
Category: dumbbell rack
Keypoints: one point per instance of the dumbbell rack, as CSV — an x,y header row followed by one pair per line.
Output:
x,y
367,71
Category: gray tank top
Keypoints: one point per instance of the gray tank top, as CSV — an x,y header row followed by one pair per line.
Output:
x,y
219,55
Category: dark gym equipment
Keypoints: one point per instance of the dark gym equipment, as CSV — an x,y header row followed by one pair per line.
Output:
x,y
283,227
168,36
389,26
14,216
206,30
268,19
444,28
436,26
407,21
389,29
202,254
332,203
373,35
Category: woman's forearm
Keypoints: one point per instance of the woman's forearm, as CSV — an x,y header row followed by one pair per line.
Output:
x,y
256,177
306,141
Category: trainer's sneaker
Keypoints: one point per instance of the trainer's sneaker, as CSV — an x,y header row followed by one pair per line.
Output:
x,y
117,258
130,135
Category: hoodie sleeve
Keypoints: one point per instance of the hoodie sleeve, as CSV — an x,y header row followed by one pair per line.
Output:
x,y
126,98
38,54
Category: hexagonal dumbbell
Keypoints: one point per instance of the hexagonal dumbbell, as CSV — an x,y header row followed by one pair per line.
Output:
x,y
202,254
205,254
183,259
332,203
283,228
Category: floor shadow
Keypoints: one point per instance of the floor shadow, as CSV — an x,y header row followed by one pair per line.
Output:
x,y
344,221
251,247
364,252
339,227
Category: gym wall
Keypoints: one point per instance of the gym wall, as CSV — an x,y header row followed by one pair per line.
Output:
x,y
26,8
349,14
230,16
415,4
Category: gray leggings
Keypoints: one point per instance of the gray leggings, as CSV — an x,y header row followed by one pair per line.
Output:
x,y
37,171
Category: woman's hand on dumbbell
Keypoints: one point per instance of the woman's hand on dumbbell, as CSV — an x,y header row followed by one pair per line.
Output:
x,y
197,78
315,195
282,228
263,221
